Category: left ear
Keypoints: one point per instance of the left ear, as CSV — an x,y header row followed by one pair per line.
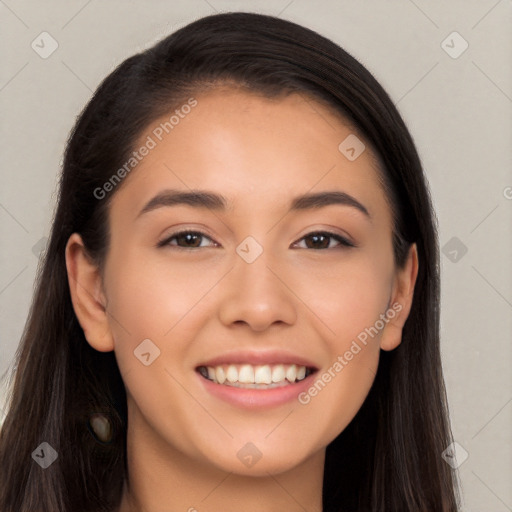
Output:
x,y
401,301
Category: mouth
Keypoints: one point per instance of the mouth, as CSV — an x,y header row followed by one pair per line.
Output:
x,y
256,380
248,376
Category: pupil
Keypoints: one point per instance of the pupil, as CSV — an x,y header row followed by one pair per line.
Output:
x,y
316,239
189,238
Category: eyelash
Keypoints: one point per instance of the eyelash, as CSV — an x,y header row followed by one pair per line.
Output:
x,y
343,242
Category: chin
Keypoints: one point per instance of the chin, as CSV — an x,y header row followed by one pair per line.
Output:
x,y
258,461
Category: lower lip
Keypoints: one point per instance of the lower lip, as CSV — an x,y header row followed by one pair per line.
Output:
x,y
257,398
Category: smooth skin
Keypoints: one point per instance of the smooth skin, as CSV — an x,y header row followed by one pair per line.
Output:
x,y
197,300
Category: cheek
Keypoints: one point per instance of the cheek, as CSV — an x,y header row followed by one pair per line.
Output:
x,y
167,303
150,297
349,299
151,302
348,295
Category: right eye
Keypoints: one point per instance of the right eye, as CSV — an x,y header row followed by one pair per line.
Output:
x,y
189,240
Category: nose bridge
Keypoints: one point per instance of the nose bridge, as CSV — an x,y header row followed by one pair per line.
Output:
x,y
253,268
256,294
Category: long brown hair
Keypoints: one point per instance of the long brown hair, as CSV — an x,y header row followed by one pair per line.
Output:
x,y
389,457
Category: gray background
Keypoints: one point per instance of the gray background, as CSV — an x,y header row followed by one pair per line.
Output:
x,y
458,110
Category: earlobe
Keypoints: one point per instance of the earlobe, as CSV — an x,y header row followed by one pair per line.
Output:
x,y
89,301
401,301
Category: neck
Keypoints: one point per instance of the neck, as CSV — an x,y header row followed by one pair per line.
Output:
x,y
163,478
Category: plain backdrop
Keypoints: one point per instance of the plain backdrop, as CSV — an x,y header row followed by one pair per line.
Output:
x,y
456,101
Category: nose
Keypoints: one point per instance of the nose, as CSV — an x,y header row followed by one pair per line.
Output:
x,y
258,295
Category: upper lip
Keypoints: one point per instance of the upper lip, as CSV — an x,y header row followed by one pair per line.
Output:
x,y
259,357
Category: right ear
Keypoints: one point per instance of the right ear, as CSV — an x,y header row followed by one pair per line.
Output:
x,y
89,301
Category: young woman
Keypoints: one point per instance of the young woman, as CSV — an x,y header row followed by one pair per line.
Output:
x,y
239,304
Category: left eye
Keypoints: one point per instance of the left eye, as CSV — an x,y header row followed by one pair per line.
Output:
x,y
322,240
317,239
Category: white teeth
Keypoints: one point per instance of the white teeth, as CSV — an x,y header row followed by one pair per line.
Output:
x,y
278,373
246,374
232,373
291,373
263,375
220,376
260,376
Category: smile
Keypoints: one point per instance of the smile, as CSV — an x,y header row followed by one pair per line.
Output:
x,y
249,376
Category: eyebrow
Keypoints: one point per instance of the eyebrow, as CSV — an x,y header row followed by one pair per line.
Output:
x,y
217,202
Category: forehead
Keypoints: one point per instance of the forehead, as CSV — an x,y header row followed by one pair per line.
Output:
x,y
254,150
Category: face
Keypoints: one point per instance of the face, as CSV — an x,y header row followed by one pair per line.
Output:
x,y
289,298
